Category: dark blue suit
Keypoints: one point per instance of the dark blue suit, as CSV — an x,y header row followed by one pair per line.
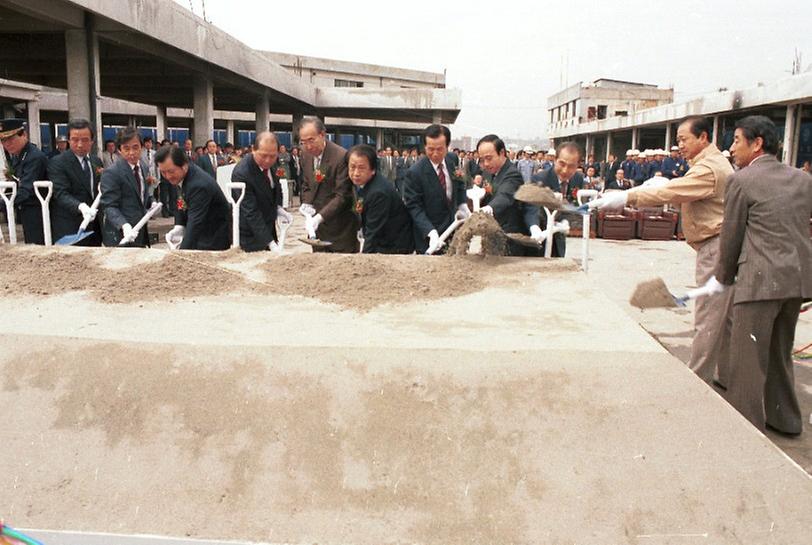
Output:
x,y
31,165
72,187
259,206
208,214
533,214
426,202
386,224
122,203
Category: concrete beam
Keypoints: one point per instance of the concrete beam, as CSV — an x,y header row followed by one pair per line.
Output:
x,y
393,104
608,144
82,64
715,129
230,133
32,110
203,109
160,123
262,113
635,137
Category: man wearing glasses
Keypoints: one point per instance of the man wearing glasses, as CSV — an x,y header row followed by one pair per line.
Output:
x,y
75,175
26,165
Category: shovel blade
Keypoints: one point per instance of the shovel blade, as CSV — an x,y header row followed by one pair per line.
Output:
x,y
70,240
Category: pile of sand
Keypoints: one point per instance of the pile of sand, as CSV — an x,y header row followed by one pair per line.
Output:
x,y
494,242
539,196
652,294
354,281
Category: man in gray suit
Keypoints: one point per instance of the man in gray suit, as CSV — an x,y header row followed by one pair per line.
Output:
x,y
388,165
765,248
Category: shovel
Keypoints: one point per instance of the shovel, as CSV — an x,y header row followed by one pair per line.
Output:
x,y
81,234
283,231
142,222
316,243
655,294
458,220
12,225
235,211
45,202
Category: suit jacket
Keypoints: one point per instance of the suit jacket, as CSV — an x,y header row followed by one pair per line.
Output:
x,y
109,160
259,206
386,223
30,166
207,216
765,244
614,184
549,178
121,203
610,168
204,162
534,215
71,188
388,167
506,209
426,202
332,198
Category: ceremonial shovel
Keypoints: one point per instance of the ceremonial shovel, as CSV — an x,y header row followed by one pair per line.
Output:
x,y
44,201
81,234
655,294
143,221
458,220
12,225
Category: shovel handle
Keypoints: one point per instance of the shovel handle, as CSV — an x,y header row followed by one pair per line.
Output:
x,y
151,212
94,207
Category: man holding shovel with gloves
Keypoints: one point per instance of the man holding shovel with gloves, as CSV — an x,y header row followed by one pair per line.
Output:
x,y
700,192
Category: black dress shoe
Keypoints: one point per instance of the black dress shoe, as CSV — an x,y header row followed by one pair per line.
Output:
x,y
782,432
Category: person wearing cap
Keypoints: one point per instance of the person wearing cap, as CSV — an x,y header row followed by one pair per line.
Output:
x,y
674,166
629,165
526,164
75,175
26,164
126,195
700,193
549,160
640,171
730,158
60,146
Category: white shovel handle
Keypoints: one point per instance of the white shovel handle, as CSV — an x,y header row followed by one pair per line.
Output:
x,y
9,201
45,202
93,207
235,210
151,212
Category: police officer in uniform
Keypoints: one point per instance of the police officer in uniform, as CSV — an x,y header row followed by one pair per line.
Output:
x,y
28,165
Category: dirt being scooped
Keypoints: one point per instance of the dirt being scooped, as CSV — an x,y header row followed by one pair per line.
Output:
x,y
494,242
652,294
539,196
353,281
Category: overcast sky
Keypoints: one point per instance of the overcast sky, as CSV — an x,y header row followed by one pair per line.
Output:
x,y
507,56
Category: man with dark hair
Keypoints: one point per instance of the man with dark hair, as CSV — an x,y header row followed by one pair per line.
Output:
x,y
388,165
262,204
203,219
60,146
75,175
126,195
766,252
208,161
501,203
562,178
431,192
700,193
673,165
109,155
610,167
27,164
327,199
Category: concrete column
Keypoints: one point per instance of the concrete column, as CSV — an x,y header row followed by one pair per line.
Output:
x,y
608,145
82,63
230,131
437,118
796,138
32,108
668,137
789,135
715,135
203,110
337,136
263,112
635,137
379,138
160,123
132,121
590,145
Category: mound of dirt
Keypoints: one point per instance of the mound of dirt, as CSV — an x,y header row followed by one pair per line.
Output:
x,y
652,294
494,242
539,196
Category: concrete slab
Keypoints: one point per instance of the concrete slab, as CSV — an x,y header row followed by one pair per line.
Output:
x,y
501,416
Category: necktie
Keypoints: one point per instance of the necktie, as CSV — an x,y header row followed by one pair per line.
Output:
x,y
213,161
316,163
267,173
139,183
88,177
441,176
564,186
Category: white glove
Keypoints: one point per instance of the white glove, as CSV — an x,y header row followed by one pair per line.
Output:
x,y
284,215
487,209
434,242
537,234
307,210
175,236
463,211
129,234
87,213
713,286
312,225
611,200
274,247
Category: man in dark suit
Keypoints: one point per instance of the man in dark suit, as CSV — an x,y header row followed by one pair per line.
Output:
x,y
327,193
766,250
385,222
388,165
28,165
563,177
620,181
610,167
431,193
209,160
125,193
74,174
501,203
60,146
203,221
262,203
295,170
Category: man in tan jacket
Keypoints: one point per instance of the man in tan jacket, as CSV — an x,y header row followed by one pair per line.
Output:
x,y
766,250
700,193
